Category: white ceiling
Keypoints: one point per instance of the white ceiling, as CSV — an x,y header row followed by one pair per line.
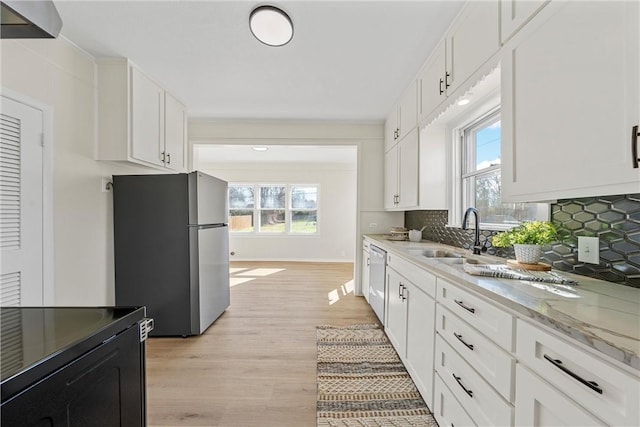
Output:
x,y
225,154
348,60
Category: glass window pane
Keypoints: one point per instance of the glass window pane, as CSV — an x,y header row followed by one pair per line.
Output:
x,y
485,188
273,197
272,221
241,197
241,220
486,145
304,221
304,197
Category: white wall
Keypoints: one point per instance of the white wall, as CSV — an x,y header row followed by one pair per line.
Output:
x,y
63,77
336,213
367,137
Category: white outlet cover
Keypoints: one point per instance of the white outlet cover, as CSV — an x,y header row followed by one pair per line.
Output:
x,y
589,250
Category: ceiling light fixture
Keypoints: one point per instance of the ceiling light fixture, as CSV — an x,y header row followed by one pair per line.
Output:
x,y
271,25
260,148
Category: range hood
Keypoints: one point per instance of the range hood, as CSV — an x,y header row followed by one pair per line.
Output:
x,y
34,19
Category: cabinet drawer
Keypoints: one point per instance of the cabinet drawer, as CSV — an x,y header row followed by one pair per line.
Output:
x,y
493,363
590,381
422,279
447,409
485,317
481,402
539,404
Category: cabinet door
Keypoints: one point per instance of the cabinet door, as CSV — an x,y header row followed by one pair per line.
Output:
x,y
446,409
147,119
104,387
471,42
408,165
366,263
515,13
391,128
391,178
396,321
175,134
408,110
420,340
539,404
431,81
569,101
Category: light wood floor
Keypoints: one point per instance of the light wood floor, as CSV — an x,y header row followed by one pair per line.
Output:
x,y
256,365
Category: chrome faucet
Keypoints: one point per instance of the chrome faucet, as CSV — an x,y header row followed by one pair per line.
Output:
x,y
477,247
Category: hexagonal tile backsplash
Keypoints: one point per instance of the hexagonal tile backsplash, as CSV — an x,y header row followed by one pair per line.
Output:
x,y
613,219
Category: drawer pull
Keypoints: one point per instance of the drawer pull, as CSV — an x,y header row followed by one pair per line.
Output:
x,y
634,146
459,381
469,346
558,364
466,307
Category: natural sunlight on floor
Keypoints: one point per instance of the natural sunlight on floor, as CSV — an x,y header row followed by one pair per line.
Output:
x,y
239,275
346,289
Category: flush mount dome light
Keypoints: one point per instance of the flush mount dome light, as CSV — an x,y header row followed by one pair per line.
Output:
x,y
271,25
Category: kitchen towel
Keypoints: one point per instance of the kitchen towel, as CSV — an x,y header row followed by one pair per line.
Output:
x,y
502,271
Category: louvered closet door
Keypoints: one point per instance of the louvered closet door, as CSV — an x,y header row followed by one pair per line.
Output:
x,y
21,278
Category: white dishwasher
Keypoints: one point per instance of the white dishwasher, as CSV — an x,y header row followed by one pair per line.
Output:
x,y
377,280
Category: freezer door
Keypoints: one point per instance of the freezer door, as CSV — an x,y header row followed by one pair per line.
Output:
x,y
207,199
212,274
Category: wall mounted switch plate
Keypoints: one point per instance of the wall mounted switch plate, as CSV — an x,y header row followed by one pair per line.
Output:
x,y
589,250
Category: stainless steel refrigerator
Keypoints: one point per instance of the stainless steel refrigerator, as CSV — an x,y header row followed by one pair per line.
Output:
x,y
171,248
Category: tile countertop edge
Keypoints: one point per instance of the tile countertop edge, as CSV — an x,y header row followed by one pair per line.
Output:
x,y
534,304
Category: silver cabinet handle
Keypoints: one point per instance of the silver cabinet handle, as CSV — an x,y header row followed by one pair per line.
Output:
x,y
558,364
168,158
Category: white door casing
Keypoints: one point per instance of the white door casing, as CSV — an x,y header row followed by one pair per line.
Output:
x,y
22,199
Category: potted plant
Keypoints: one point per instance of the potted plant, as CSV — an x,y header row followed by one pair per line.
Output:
x,y
527,240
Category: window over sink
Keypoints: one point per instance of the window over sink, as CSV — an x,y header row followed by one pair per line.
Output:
x,y
476,171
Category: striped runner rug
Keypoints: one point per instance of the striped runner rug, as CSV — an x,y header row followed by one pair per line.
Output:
x,y
362,382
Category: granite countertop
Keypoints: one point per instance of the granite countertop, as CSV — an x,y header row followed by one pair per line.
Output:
x,y
602,315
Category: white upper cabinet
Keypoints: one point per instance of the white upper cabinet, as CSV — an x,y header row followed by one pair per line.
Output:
x,y
175,133
147,119
402,118
470,42
570,101
138,121
401,167
515,13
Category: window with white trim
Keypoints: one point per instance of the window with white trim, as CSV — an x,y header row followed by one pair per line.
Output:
x,y
264,209
478,179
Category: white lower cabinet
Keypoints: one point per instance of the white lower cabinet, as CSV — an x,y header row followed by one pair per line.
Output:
x,y
365,271
396,318
420,335
606,391
446,409
495,365
540,404
483,315
484,405
477,363
410,321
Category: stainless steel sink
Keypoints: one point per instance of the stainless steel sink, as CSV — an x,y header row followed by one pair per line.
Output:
x,y
434,253
444,256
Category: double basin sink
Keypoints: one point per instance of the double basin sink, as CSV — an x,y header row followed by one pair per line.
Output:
x,y
442,255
